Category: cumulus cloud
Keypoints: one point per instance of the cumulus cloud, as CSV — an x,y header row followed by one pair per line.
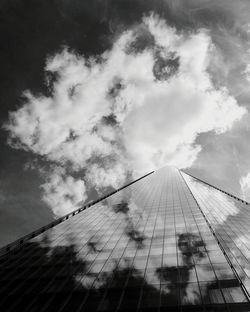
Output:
x,y
62,192
247,72
137,107
104,177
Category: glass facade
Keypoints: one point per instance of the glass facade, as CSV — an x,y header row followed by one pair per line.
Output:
x,y
164,243
229,219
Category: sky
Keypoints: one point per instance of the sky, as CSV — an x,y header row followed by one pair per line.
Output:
x,y
97,93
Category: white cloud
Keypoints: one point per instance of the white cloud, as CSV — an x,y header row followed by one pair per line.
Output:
x,y
247,72
101,177
62,192
157,121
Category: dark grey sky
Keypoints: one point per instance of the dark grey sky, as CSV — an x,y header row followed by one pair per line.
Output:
x,y
101,92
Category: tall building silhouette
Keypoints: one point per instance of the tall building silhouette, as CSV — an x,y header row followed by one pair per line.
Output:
x,y
166,242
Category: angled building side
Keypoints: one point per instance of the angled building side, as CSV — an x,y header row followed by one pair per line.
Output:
x,y
168,242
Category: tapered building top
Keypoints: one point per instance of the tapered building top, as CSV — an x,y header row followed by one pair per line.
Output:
x,y
168,242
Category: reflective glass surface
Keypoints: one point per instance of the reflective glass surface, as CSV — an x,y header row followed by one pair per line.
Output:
x,y
148,247
230,219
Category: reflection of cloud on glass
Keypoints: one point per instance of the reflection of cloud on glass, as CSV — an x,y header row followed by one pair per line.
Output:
x,y
230,217
190,249
135,235
240,258
134,250
245,186
132,215
105,210
105,263
191,294
93,244
216,205
189,244
121,207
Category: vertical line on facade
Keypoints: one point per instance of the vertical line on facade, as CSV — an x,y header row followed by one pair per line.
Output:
x,y
218,242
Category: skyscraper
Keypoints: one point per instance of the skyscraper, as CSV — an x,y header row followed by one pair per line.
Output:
x,y
167,242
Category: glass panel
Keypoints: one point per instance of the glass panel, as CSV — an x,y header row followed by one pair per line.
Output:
x,y
146,246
